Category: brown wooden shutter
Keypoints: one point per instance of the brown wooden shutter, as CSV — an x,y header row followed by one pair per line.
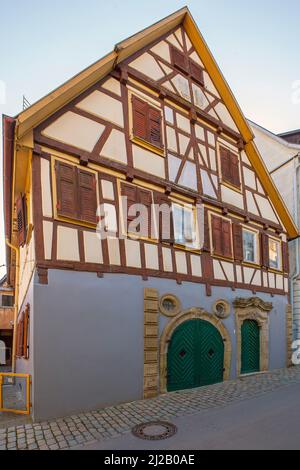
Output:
x,y
17,339
264,248
196,72
225,164
226,239
139,115
87,198
145,198
154,127
20,334
238,242
235,170
21,219
216,223
179,60
165,220
66,190
285,257
129,191
26,331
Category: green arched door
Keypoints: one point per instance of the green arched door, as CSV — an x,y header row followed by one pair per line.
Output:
x,y
250,347
195,356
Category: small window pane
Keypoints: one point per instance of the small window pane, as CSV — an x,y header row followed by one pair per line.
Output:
x,y
249,246
7,301
274,254
184,226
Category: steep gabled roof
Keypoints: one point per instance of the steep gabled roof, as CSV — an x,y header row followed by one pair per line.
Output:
x,y
45,107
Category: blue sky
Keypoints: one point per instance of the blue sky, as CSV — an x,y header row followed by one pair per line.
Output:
x,y
43,43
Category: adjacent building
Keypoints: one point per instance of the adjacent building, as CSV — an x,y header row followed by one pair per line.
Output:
x,y
282,157
107,321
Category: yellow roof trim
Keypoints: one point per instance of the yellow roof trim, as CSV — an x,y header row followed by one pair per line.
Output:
x,y
45,107
219,81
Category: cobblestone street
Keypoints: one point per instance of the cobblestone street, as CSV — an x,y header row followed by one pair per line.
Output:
x,y
112,422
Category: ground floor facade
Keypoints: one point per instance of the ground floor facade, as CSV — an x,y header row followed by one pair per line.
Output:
x,y
96,342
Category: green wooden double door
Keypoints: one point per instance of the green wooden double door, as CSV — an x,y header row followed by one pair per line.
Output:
x,y
195,356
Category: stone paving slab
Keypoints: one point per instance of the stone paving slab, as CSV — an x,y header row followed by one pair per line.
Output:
x,y
66,433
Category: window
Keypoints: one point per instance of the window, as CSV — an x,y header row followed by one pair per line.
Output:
x,y
184,226
274,254
7,301
221,237
21,219
187,65
138,220
249,246
147,122
230,167
76,193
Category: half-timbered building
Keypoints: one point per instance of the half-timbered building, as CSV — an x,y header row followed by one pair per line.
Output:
x,y
122,318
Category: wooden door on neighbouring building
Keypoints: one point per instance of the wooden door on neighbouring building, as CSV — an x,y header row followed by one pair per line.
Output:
x,y
250,347
195,356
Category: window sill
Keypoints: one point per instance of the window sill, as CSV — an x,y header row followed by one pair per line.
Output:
x,y
232,187
275,271
132,236
76,222
223,258
186,248
148,146
249,264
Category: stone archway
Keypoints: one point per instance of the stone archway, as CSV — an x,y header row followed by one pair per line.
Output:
x,y
192,314
257,310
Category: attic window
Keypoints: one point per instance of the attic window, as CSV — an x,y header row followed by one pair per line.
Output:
x,y
187,66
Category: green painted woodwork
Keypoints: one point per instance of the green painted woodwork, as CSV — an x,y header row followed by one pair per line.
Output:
x,y
195,356
250,347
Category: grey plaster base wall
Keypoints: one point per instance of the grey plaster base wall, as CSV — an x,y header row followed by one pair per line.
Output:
x,y
89,335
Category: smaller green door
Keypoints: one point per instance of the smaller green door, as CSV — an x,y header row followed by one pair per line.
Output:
x,y
250,347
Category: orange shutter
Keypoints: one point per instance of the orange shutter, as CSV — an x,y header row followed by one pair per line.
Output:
x,y
87,196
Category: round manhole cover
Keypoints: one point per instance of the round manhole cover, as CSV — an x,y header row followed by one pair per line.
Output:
x,y
155,431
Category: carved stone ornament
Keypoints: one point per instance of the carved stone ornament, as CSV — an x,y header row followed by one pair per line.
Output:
x,y
254,302
221,308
